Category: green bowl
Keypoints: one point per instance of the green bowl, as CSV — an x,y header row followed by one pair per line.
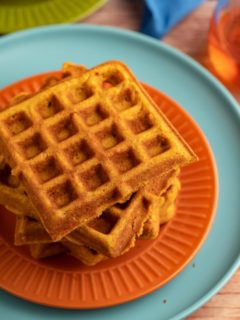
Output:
x,y
17,15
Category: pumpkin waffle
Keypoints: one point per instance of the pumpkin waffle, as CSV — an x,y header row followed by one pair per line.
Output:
x,y
86,255
30,232
169,200
69,70
165,211
12,194
86,143
118,227
162,211
105,234
45,250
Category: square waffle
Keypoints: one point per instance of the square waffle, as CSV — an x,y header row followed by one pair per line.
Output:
x,y
86,143
130,217
165,211
30,232
118,227
12,194
104,233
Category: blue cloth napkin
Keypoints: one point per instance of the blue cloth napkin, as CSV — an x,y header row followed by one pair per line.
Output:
x,y
161,15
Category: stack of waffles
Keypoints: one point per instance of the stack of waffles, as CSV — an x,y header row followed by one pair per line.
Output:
x,y
89,164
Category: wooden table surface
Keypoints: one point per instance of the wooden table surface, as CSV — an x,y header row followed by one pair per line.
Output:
x,y
193,29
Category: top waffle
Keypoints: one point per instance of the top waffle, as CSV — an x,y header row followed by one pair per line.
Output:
x,y
87,143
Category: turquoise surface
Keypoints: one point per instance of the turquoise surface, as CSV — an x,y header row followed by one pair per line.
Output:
x,y
217,113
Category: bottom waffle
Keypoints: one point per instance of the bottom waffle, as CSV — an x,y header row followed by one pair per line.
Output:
x,y
156,201
116,229
165,210
45,250
86,255
30,232
104,234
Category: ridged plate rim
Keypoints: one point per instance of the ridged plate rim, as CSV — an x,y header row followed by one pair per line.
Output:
x,y
118,298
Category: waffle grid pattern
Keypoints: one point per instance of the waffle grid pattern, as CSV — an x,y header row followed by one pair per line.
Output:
x,y
105,233
81,150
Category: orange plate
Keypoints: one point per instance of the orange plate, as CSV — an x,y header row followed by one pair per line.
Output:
x,y
64,282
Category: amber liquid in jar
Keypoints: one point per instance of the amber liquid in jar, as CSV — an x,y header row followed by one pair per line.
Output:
x,y
224,45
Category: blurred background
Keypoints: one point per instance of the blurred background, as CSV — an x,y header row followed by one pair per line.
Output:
x,y
206,30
